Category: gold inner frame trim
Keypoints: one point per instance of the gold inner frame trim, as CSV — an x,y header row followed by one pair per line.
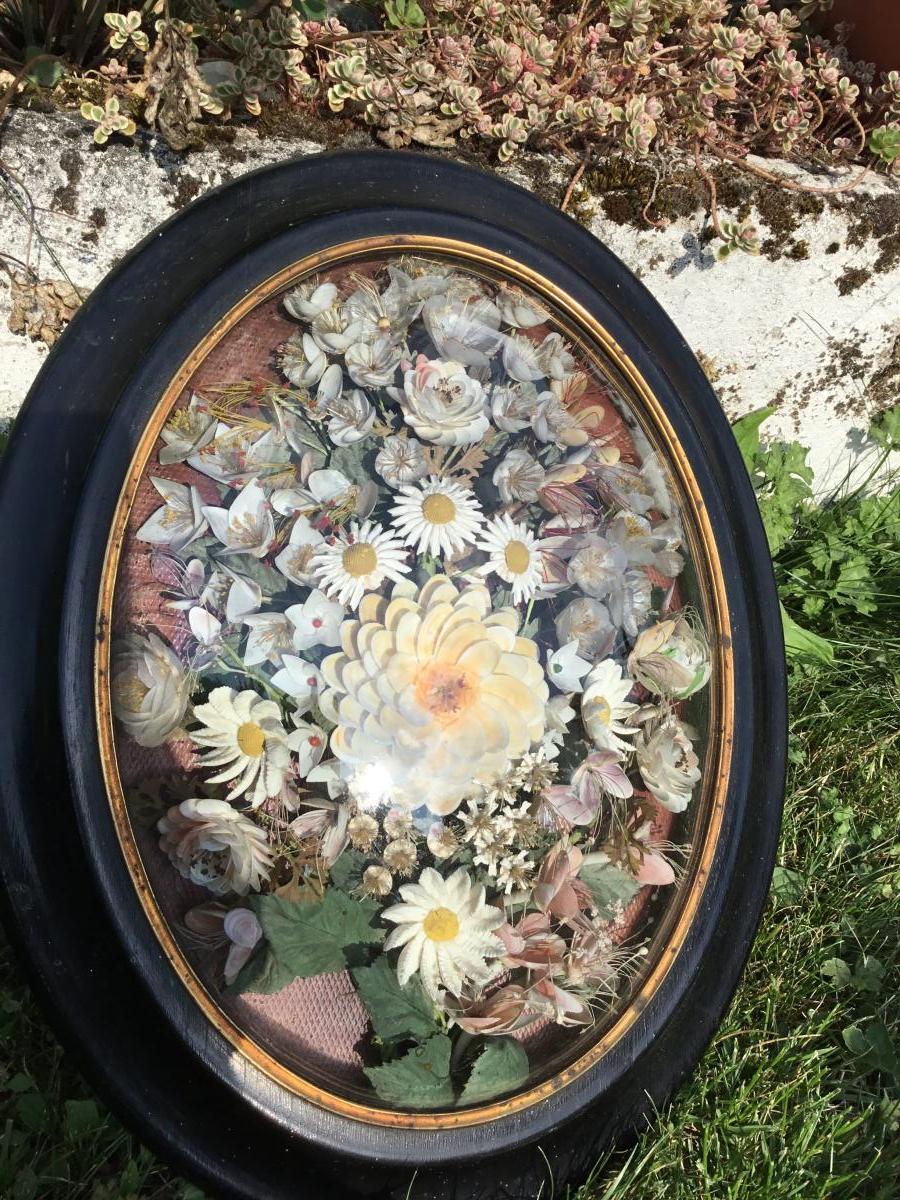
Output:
x,y
705,557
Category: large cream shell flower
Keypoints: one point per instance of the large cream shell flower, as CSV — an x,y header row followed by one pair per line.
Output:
x,y
446,931
214,845
434,691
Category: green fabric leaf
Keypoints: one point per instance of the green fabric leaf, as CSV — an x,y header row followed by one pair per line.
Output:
x,y
420,1079
346,872
311,939
746,434
396,1012
801,643
609,886
262,973
501,1067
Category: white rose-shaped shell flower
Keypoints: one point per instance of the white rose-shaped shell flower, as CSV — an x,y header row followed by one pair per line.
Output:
x,y
213,844
149,687
442,403
435,691
668,764
243,734
445,929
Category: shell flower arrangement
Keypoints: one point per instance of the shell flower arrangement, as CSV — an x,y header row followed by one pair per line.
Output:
x,y
431,672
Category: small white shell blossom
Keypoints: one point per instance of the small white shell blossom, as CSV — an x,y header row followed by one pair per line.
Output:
x,y
400,460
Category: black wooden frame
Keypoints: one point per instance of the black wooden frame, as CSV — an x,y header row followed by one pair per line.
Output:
x,y
103,979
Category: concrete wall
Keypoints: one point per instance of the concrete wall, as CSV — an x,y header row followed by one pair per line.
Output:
x,y
812,325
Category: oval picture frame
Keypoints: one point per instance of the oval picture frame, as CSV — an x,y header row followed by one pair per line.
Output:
x,y
131,349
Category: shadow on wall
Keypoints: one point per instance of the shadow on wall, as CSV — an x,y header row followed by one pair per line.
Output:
x,y
876,32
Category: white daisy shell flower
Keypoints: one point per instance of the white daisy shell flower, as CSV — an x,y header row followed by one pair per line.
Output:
x,y
149,688
309,299
242,733
271,634
186,432
442,403
358,561
213,844
434,691
316,622
295,560
400,460
247,527
373,364
518,476
308,742
604,709
668,764
566,668
301,680
445,931
301,361
438,516
180,521
513,554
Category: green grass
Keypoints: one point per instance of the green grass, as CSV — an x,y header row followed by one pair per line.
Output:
x,y
798,1097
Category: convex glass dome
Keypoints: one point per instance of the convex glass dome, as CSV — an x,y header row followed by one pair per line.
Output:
x,y
408,683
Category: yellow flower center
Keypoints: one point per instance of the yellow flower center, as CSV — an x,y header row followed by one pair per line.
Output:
x,y
130,693
601,710
438,509
441,925
359,559
251,739
445,690
518,557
